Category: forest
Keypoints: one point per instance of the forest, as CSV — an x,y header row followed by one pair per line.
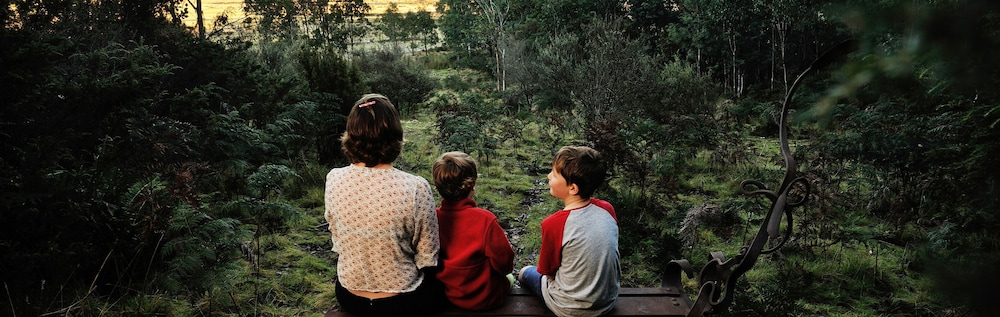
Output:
x,y
153,168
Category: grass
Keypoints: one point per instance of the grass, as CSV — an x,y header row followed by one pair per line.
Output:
x,y
297,267
839,279
844,273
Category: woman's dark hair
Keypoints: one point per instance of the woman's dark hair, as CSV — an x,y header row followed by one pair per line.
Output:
x,y
582,166
374,132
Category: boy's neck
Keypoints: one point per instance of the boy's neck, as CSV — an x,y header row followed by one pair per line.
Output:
x,y
574,202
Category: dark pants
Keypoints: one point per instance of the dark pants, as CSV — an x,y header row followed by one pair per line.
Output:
x,y
427,299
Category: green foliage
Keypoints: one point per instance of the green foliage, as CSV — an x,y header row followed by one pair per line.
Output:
x,y
391,24
424,28
466,122
269,179
331,77
923,104
139,159
201,252
758,45
333,24
434,61
647,236
776,298
70,158
334,83
389,72
416,26
126,150
276,14
537,19
463,39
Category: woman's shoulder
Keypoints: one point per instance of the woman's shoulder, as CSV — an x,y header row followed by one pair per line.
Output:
x,y
338,171
410,176
335,171
405,179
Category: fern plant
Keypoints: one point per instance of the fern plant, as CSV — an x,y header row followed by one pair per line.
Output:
x,y
202,251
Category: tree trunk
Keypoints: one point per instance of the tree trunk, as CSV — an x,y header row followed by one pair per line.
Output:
x,y
201,19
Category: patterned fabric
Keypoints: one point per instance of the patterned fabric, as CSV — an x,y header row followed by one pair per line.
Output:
x,y
383,226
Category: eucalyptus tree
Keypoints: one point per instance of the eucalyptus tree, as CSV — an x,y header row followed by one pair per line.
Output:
x,y
652,19
356,12
422,28
337,23
474,30
391,23
459,24
729,22
783,16
746,44
568,15
199,11
495,20
277,17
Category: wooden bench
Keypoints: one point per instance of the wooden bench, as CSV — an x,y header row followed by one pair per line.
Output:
x,y
659,301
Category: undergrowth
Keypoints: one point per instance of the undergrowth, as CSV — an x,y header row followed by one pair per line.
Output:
x,y
290,271
833,265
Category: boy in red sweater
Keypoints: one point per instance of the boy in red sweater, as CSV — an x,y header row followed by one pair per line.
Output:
x,y
476,257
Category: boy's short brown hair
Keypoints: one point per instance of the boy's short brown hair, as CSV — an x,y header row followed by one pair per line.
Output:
x,y
582,166
454,175
374,132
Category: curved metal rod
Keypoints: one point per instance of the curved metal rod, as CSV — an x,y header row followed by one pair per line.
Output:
x,y
718,278
761,189
672,273
788,214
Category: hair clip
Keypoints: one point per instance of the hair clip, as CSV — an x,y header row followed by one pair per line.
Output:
x,y
366,104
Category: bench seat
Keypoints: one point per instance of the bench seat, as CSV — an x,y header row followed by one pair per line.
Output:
x,y
659,301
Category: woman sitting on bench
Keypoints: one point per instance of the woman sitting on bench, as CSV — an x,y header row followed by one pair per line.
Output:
x,y
382,220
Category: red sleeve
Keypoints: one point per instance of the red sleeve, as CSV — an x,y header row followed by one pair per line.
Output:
x,y
550,255
498,249
606,206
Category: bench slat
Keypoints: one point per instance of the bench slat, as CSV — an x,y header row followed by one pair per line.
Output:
x,y
520,302
631,302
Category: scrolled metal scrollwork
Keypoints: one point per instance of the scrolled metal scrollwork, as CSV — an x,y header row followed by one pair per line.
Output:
x,y
718,277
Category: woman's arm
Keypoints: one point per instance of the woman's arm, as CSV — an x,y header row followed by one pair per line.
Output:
x,y
426,234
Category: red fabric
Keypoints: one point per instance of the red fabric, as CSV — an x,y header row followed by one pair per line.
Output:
x,y
475,256
550,255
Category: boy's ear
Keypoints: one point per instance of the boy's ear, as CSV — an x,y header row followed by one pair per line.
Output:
x,y
573,189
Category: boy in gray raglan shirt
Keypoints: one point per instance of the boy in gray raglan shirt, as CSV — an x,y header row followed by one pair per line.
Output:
x,y
578,271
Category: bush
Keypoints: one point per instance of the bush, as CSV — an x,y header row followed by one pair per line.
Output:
x,y
387,71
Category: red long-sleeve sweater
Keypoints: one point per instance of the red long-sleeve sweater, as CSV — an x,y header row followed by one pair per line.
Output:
x,y
475,255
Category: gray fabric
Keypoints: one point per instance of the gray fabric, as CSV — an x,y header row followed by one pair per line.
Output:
x,y
587,281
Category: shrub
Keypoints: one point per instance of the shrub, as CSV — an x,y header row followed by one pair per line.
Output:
x,y
389,72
